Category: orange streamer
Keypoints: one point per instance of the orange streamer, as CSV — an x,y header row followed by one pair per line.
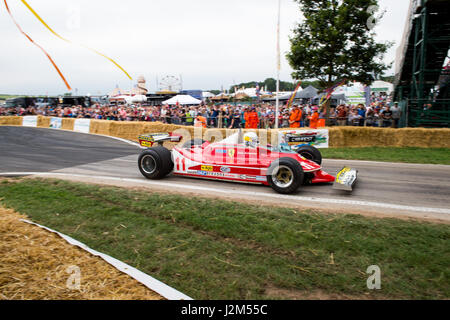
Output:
x,y
37,45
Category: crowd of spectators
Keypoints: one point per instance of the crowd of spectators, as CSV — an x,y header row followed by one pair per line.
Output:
x,y
378,114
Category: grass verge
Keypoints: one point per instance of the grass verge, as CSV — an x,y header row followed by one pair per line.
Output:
x,y
215,249
407,155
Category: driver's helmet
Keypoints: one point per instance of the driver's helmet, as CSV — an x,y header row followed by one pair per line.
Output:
x,y
251,140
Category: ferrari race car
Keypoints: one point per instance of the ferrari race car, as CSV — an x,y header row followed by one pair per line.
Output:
x,y
239,158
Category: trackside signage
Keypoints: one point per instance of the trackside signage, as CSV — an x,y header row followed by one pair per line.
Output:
x,y
30,121
82,125
319,138
56,123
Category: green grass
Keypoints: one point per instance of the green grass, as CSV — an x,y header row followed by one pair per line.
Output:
x,y
213,249
407,155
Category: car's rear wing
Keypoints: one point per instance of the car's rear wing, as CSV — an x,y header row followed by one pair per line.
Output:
x,y
148,140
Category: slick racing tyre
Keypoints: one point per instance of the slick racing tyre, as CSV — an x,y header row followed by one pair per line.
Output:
x,y
192,143
155,163
285,175
310,153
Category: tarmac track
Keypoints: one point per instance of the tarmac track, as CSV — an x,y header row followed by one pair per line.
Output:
x,y
385,189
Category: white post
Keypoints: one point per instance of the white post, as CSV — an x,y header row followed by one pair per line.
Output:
x,y
277,113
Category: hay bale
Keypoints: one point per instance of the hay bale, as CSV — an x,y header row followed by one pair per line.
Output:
x,y
388,137
34,266
44,122
126,129
364,137
425,138
100,127
11,121
336,138
67,124
131,130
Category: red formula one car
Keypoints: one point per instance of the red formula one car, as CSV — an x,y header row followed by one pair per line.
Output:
x,y
238,158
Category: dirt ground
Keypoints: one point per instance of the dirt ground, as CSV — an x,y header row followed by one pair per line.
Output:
x,y
36,264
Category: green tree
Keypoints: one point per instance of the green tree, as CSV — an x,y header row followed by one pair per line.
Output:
x,y
336,40
314,83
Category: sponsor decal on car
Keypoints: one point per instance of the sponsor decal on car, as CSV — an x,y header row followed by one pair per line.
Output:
x,y
207,168
216,174
146,144
247,177
231,153
221,151
147,138
210,174
225,169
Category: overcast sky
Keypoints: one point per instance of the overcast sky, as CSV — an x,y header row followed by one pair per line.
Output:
x,y
211,43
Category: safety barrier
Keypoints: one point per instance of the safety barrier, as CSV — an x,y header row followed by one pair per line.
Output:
x,y
339,136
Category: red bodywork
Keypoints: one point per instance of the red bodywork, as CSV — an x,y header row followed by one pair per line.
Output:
x,y
236,162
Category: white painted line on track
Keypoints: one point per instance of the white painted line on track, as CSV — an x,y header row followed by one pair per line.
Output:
x,y
178,186
148,281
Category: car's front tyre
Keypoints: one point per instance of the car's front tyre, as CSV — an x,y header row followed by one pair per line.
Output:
x,y
310,153
285,175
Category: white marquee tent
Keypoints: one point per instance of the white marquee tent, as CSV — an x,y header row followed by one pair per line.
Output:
x,y
138,98
207,94
182,100
382,86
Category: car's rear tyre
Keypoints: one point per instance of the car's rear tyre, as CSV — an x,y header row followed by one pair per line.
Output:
x,y
155,163
192,143
285,175
310,153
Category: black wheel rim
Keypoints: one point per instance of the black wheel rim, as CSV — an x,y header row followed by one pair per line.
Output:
x,y
148,164
283,177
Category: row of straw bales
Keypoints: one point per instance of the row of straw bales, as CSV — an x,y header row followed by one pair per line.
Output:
x,y
10,121
339,136
389,137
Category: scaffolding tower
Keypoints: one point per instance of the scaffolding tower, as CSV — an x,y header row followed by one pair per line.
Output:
x,y
422,80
